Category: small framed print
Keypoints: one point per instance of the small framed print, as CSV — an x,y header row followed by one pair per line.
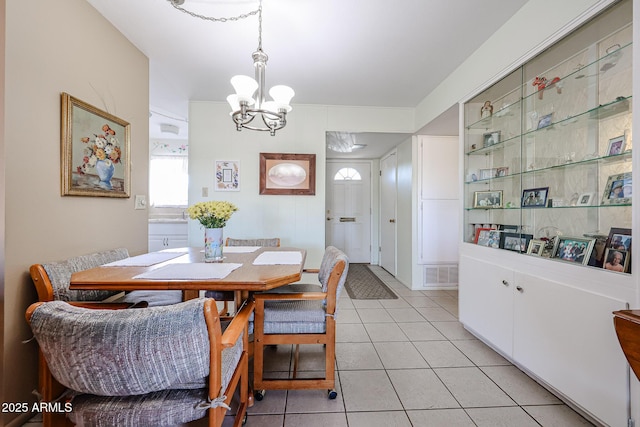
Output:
x,y
545,121
503,171
508,228
573,249
535,197
585,199
536,247
489,238
480,230
227,175
487,173
516,242
616,146
616,260
491,138
487,199
618,189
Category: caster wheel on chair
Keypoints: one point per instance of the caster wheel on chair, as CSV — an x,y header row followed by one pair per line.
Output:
x,y
332,394
259,395
244,419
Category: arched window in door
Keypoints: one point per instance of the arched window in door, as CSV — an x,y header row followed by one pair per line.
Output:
x,y
347,174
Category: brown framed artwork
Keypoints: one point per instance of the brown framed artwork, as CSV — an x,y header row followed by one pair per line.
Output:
x,y
288,174
94,151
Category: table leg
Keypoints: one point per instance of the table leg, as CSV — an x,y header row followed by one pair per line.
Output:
x,y
190,294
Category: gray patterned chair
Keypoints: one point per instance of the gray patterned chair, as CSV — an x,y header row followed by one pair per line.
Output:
x,y
295,315
227,296
52,284
158,366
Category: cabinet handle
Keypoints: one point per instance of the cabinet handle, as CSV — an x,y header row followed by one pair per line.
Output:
x,y
504,282
519,288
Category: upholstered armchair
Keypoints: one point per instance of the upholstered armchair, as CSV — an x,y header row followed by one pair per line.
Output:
x,y
227,296
296,315
157,366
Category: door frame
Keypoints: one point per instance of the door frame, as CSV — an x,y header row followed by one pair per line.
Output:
x,y
374,195
393,152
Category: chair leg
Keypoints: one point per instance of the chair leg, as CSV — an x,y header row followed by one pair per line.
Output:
x,y
296,357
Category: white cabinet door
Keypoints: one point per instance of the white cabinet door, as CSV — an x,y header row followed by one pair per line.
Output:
x,y
566,337
165,235
486,301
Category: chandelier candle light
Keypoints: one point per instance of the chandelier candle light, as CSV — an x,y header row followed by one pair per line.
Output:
x,y
245,107
246,104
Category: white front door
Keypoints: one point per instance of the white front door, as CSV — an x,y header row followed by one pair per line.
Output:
x,y
348,211
388,213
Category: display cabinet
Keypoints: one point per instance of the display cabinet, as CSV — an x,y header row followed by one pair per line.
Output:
x,y
548,153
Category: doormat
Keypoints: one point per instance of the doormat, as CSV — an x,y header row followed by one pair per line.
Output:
x,y
362,283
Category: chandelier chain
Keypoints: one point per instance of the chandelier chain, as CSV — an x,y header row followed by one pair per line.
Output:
x,y
223,19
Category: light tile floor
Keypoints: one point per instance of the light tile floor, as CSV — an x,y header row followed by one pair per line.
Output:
x,y
406,362
409,362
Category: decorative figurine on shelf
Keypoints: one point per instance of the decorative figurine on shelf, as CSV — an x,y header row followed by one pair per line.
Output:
x,y
542,83
486,110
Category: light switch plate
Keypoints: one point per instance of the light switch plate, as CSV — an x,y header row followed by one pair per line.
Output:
x,y
141,202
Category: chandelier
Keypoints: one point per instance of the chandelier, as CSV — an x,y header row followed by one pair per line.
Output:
x,y
249,109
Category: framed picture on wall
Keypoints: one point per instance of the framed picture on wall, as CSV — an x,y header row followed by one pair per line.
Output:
x,y
227,175
288,174
94,151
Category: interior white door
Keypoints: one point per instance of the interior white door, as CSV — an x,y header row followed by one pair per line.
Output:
x,y
348,206
388,194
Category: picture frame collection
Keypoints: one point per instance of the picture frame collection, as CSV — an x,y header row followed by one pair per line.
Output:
x,y
568,249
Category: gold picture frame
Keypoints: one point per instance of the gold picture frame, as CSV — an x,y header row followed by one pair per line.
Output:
x,y
94,151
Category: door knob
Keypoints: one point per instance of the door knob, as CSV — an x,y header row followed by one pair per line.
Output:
x,y
329,219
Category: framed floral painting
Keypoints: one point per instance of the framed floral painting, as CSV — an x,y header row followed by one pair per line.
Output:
x,y
94,151
227,175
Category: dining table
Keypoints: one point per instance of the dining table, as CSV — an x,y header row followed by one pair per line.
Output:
x,y
244,269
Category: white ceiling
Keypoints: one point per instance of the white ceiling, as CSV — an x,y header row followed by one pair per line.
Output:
x,y
331,52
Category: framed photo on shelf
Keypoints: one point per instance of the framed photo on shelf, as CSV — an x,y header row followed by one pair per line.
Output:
x,y
508,228
585,199
515,241
535,197
619,239
545,121
488,173
618,189
489,238
616,260
536,247
487,199
616,146
481,230
573,249
491,138
503,171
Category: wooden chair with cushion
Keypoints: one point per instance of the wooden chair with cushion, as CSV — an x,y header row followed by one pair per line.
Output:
x,y
158,366
52,284
294,315
227,296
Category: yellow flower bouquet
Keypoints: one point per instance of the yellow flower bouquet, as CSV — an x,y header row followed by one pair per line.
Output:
x,y
214,214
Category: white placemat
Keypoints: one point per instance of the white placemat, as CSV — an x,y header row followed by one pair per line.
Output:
x,y
239,249
145,260
278,257
191,271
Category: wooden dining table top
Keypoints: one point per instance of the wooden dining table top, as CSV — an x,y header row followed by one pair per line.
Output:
x,y
248,277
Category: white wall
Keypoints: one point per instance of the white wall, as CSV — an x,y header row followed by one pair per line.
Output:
x,y
54,47
298,220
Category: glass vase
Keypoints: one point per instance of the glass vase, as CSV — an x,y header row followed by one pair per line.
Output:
x,y
213,245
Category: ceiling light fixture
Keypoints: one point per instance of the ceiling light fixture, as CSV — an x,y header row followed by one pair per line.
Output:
x,y
245,107
343,142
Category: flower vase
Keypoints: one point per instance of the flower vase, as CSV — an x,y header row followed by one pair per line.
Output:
x,y
105,169
213,245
